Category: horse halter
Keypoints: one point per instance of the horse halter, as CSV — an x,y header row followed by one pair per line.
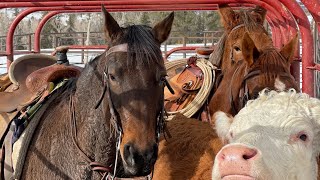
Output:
x,y
243,95
160,126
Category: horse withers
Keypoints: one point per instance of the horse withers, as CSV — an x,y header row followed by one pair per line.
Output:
x,y
106,122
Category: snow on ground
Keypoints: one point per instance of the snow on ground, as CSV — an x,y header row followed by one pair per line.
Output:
x,y
74,56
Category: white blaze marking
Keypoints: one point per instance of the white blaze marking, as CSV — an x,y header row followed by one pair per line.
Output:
x,y
279,85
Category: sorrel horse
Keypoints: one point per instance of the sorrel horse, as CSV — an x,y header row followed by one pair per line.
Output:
x,y
116,105
249,62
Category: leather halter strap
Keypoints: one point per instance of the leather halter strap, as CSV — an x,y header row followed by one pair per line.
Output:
x,y
96,166
117,48
233,106
236,27
244,95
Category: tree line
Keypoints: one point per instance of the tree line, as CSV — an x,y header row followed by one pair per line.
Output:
x,y
186,23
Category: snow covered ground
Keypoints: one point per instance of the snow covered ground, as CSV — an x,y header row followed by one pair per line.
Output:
x,y
74,56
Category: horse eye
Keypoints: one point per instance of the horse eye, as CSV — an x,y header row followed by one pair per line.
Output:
x,y
236,48
303,137
111,77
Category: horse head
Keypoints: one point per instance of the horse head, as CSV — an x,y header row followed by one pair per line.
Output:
x,y
267,67
134,72
236,24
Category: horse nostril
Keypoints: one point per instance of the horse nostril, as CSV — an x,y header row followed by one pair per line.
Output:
x,y
129,153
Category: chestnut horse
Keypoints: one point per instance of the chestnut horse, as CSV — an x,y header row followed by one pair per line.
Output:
x,y
118,99
249,62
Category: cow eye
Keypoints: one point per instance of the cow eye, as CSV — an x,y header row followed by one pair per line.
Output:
x,y
303,137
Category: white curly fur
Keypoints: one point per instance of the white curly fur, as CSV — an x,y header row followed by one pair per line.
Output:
x,y
222,124
271,124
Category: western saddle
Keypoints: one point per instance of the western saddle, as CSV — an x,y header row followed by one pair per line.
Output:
x,y
31,76
186,83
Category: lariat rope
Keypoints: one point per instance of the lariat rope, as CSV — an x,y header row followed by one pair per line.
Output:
x,y
209,75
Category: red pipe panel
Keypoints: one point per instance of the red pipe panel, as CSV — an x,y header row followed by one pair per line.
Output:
x,y
307,46
293,6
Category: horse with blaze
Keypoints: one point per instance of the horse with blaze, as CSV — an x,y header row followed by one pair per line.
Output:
x,y
107,121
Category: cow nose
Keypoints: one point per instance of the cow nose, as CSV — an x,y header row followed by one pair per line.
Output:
x,y
236,159
237,153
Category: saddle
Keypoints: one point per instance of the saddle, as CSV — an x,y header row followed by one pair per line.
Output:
x,y
204,52
185,85
36,79
31,76
4,81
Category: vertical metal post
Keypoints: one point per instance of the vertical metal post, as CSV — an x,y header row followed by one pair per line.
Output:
x,y
184,41
29,42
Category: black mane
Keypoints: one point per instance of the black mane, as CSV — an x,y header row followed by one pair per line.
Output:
x,y
142,46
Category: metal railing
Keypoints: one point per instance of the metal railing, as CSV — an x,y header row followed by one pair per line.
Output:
x,y
49,41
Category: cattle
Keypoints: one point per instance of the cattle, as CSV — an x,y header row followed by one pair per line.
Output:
x,y
275,137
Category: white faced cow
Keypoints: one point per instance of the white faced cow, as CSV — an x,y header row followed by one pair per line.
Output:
x,y
275,137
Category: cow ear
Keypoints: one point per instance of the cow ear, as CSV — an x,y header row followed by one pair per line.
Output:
x,y
289,49
111,27
249,49
227,15
162,30
222,125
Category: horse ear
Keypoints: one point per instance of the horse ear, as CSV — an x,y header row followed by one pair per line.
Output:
x,y
289,49
261,12
162,30
249,49
111,27
228,16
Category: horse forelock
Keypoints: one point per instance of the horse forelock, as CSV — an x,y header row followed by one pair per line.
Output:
x,y
271,63
143,50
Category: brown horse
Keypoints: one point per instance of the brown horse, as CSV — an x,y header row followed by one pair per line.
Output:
x,y
118,98
249,61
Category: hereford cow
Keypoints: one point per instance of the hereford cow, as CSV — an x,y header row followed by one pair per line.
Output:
x,y
275,137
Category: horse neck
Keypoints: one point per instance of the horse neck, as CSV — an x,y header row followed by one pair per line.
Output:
x,y
95,135
230,84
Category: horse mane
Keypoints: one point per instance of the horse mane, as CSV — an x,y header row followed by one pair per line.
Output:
x,y
142,47
246,18
271,62
217,54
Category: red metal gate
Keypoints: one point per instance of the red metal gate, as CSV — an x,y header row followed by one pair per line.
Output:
x,y
285,17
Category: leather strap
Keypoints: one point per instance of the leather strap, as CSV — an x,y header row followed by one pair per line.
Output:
x,y
117,48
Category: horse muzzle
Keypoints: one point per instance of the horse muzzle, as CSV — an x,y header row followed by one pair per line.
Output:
x,y
138,162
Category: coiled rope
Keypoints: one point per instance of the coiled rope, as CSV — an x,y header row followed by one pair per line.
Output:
x,y
209,75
